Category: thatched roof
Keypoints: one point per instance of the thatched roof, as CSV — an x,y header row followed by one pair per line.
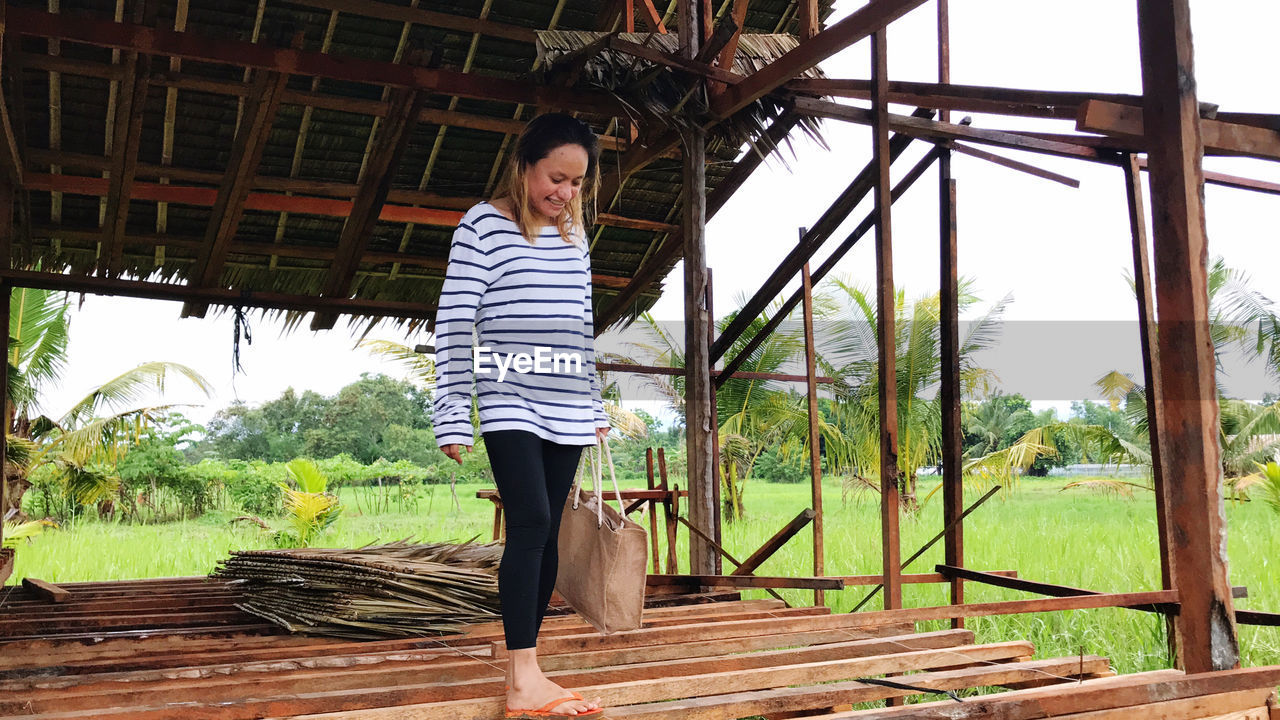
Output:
x,y
318,133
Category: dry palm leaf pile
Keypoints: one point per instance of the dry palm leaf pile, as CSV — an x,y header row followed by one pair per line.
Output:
x,y
395,590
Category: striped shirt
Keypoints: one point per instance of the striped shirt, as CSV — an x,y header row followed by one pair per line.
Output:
x,y
515,319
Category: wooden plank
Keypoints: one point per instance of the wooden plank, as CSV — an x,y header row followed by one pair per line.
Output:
x,y
652,17
192,46
775,543
46,591
1188,393
952,432
6,554
384,156
858,25
891,547
468,678
807,15
1228,138
1062,701
939,131
735,705
1242,705
228,208
126,133
475,706
748,581
673,246
730,49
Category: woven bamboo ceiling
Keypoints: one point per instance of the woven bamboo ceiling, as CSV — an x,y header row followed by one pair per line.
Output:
x,y
315,155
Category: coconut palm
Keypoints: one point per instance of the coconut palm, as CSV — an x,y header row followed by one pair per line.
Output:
x,y
83,444
849,353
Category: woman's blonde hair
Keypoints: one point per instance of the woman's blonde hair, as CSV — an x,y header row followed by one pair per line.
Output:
x,y
542,135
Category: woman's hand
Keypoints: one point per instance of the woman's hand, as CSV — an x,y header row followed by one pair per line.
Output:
x,y
454,452
602,433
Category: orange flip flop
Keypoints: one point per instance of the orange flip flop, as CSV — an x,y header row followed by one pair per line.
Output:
x,y
545,710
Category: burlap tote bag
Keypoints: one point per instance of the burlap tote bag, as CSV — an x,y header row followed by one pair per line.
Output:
x,y
603,555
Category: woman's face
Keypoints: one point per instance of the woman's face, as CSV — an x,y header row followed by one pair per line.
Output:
x,y
556,179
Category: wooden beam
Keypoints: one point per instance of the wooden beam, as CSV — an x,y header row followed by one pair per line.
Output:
x,y
414,206
428,18
6,294
1015,165
652,17
10,155
886,306
800,253
388,147
730,50
939,131
1222,137
860,24
748,581
944,96
126,134
93,30
701,470
775,543
807,16
213,296
1206,625
658,370
674,244
246,155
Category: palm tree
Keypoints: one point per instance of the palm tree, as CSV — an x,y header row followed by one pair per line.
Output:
x,y
80,445
849,353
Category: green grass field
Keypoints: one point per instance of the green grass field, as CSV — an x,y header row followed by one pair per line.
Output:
x,y
1074,538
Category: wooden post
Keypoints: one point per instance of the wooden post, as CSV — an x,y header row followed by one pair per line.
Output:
x,y
815,444
807,15
1150,369
701,471
1187,392
6,291
885,306
949,291
653,511
672,507
716,499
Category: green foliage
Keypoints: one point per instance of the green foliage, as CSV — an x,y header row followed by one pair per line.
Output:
x,y
15,532
375,417
773,467
309,508
255,486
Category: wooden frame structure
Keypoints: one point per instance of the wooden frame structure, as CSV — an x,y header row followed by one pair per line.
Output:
x,y
377,263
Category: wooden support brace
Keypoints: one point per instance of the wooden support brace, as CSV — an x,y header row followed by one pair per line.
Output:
x,y
127,129
775,543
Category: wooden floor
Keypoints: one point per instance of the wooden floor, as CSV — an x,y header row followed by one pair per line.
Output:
x,y
179,649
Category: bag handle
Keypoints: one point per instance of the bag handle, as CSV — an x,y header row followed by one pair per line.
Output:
x,y
595,459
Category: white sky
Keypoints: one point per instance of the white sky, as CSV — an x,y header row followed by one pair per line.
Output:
x,y
1062,253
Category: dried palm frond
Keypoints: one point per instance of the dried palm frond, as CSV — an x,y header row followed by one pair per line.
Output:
x,y
394,590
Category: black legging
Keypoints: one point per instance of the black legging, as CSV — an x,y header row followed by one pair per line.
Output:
x,y
533,477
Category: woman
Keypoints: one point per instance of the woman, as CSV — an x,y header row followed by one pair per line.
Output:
x,y
519,273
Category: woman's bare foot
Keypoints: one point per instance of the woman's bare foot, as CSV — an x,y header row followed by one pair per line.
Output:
x,y
537,692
